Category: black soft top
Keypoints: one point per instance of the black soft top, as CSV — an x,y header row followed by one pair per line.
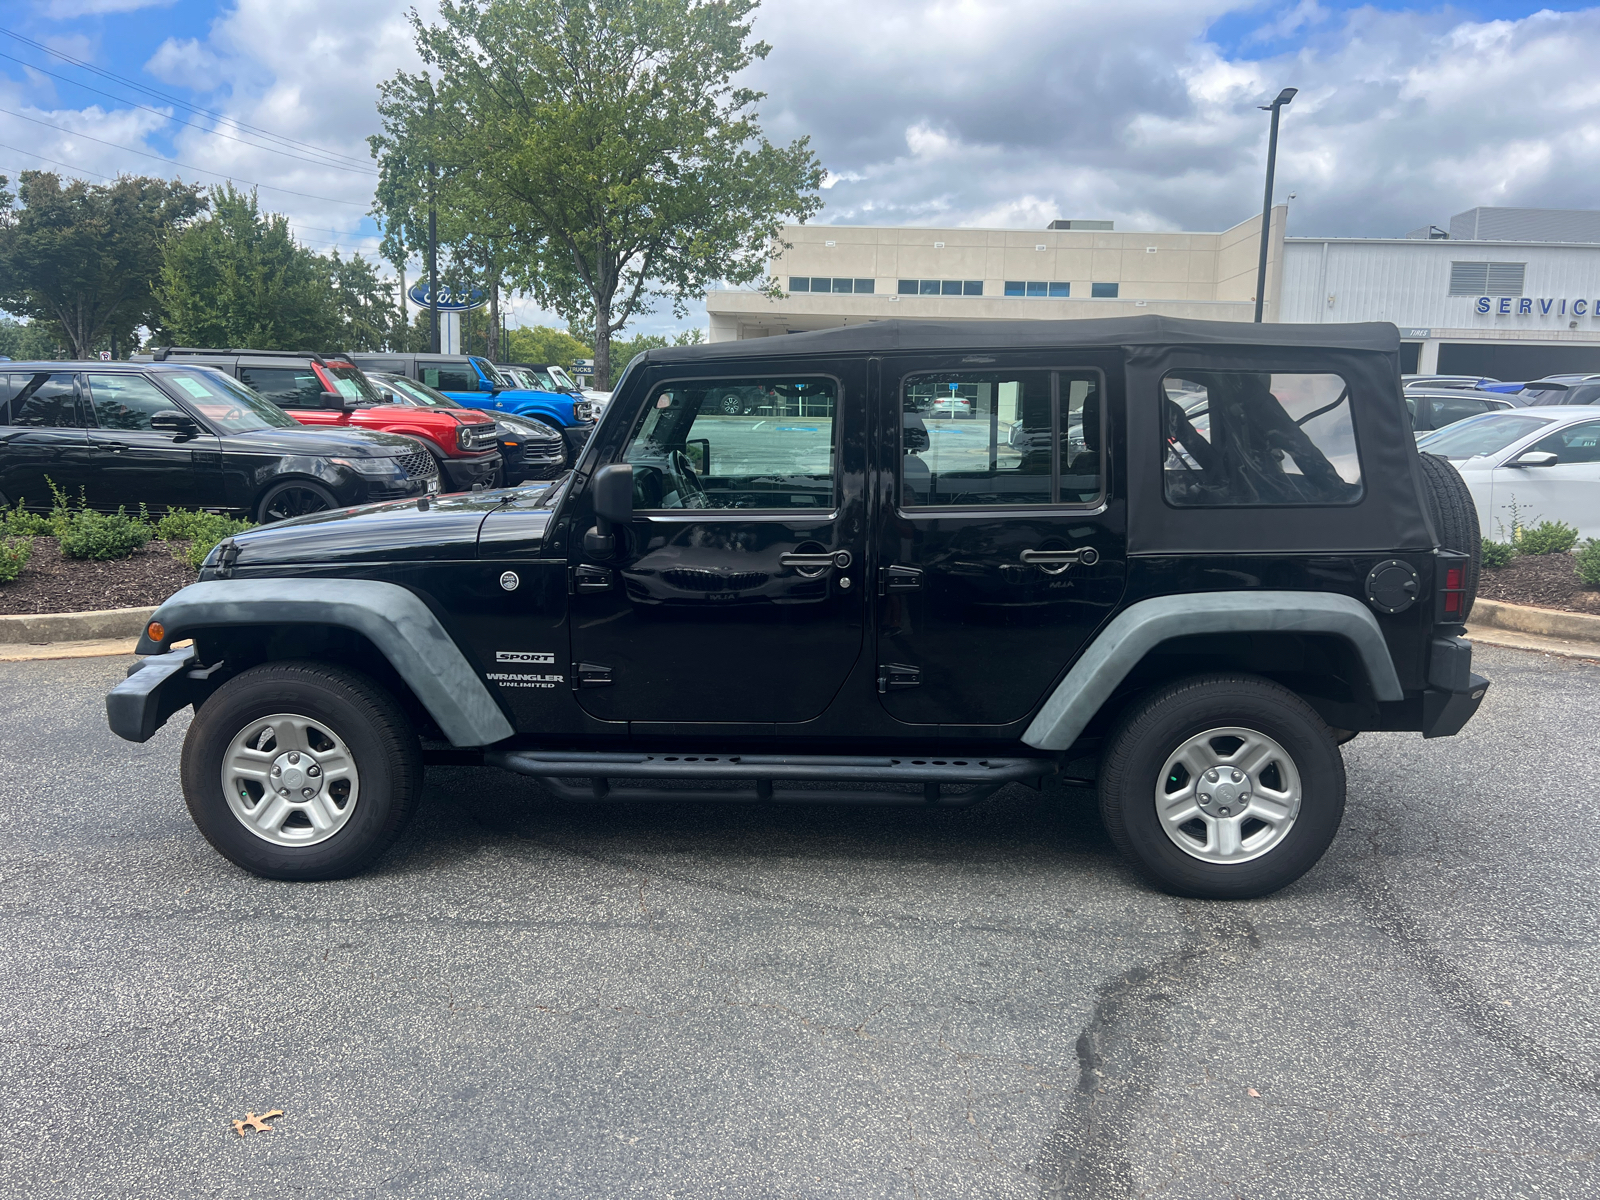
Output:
x,y
886,336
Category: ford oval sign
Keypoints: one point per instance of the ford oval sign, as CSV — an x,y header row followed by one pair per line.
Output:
x,y
451,299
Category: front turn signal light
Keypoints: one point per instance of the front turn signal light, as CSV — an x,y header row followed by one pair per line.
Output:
x,y
157,631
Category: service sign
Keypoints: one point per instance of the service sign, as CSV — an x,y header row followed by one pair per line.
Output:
x,y
451,299
1529,306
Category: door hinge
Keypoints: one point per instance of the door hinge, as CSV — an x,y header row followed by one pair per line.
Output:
x,y
898,579
893,677
588,579
590,675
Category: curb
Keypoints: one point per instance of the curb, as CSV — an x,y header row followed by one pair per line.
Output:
x,y
101,625
1545,622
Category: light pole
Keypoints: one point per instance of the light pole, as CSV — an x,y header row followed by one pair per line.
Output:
x,y
1266,204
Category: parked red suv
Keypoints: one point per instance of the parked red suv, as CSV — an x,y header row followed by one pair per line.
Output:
x,y
315,390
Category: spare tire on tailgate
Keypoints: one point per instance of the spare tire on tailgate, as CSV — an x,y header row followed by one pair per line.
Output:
x,y
1455,518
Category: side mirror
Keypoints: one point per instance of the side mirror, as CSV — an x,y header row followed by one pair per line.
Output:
x,y
388,397
612,487
180,425
333,400
485,386
1534,458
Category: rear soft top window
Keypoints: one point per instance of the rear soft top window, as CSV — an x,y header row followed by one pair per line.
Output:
x,y
1253,438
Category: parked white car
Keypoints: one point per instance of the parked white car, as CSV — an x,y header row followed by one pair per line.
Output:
x,y
1542,462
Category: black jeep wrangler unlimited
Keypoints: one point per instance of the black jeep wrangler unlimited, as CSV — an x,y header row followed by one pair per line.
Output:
x,y
1180,560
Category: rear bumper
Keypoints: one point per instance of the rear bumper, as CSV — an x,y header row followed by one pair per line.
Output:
x,y
464,474
1454,692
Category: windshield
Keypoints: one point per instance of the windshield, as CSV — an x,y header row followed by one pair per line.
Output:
x,y
1487,434
409,391
563,379
350,383
228,405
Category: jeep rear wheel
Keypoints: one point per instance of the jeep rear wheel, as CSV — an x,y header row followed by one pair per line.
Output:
x,y
299,771
1223,787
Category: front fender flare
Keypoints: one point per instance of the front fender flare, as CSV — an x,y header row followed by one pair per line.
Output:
x,y
393,619
1141,627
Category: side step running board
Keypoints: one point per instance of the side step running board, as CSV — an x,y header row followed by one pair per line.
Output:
x,y
765,774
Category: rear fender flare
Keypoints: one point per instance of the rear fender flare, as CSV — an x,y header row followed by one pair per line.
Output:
x,y
393,619
1141,627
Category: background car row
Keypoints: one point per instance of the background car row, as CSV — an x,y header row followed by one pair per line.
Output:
x,y
266,435
172,436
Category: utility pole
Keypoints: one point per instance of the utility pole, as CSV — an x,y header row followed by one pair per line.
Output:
x,y
433,245
1284,97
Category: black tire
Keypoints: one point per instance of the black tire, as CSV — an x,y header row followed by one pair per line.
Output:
x,y
1153,729
1455,518
294,498
732,405
375,731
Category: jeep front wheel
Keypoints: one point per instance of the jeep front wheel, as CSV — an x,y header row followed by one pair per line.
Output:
x,y
293,770
1222,787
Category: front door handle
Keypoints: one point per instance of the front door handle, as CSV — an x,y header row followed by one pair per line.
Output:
x,y
1053,562
834,558
591,579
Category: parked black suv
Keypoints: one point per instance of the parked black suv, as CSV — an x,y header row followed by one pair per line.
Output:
x,y
124,433
1238,563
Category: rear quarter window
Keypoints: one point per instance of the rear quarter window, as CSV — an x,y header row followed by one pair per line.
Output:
x,y
1243,438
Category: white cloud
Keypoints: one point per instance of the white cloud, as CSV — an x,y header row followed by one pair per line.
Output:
x,y
63,10
184,62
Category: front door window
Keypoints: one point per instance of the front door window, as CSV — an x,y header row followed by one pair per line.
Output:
x,y
693,450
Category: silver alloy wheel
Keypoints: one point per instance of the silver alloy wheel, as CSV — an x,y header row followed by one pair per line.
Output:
x,y
1228,795
290,780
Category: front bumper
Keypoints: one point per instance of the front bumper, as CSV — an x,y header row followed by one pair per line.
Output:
x,y
534,462
464,474
156,687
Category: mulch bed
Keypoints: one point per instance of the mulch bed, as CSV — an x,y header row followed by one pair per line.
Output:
x,y
51,583
1542,580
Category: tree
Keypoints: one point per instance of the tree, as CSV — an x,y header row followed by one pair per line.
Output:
x,y
21,340
238,278
608,141
541,344
83,257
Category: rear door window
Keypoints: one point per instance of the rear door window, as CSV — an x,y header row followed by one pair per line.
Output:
x,y
1252,438
1449,409
980,438
46,400
291,387
449,377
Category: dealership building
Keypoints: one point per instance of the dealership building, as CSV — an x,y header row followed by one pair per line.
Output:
x,y
1512,293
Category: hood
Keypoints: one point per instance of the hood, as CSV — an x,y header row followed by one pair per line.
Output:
x,y
397,531
451,416
323,441
528,394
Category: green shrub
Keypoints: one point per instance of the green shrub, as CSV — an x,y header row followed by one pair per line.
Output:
x,y
14,553
1547,537
1497,554
1588,563
89,534
19,522
200,530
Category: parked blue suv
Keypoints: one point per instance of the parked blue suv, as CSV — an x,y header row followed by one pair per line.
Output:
x,y
473,383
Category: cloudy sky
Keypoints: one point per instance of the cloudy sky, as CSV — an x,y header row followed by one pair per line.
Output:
x,y
1004,113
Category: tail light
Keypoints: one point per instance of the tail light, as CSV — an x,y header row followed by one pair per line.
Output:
x,y
1450,575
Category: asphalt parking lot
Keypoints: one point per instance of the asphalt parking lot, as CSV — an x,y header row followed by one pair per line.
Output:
x,y
529,998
